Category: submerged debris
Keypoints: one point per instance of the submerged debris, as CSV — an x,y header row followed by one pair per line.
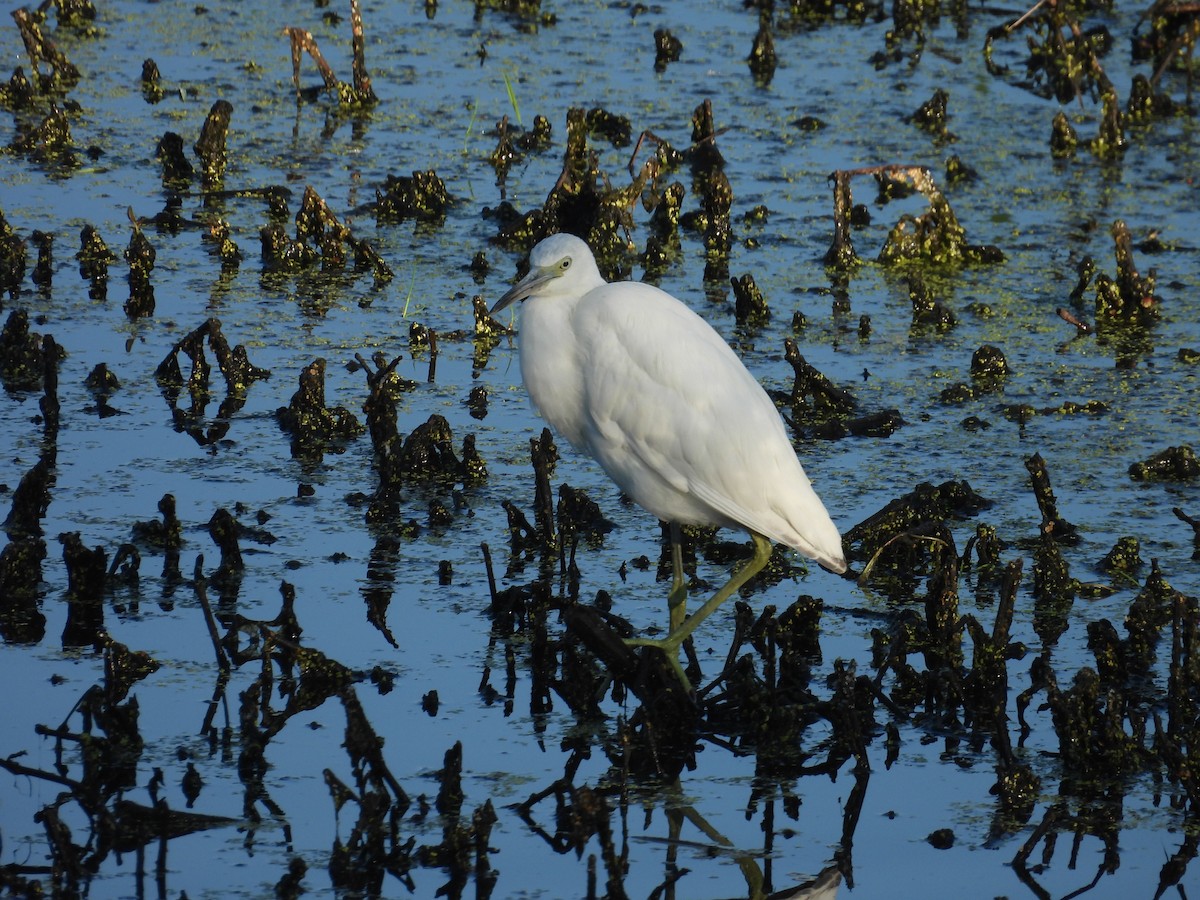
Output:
x,y
989,372
1053,525
316,223
320,237
421,196
814,398
23,354
926,504
931,116
210,146
927,310
39,48
1124,558
667,49
94,258
235,367
935,236
219,235
224,529
233,363
177,171
152,89
12,259
840,254
503,156
1130,297
314,427
164,535
48,142
21,619
43,270
762,58
1063,138
140,256
428,453
101,383
18,93
1057,66
750,307
1173,464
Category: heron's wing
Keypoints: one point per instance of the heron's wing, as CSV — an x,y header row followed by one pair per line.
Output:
x,y
678,422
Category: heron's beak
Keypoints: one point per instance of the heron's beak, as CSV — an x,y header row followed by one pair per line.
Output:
x,y
533,279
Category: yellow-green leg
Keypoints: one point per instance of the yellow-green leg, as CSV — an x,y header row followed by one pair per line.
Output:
x,y
679,633
677,599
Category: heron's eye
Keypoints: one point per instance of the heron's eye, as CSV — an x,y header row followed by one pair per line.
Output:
x,y
565,264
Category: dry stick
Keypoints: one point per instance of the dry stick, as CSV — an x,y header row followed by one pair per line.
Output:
x,y
910,170
1056,27
1020,20
218,699
1049,821
629,195
39,47
637,148
1187,39
202,595
1056,22
362,81
1052,523
651,136
487,565
1184,517
304,41
870,566
1093,60
841,251
8,764
1067,316
433,355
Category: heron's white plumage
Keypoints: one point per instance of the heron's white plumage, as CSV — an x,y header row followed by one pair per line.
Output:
x,y
634,378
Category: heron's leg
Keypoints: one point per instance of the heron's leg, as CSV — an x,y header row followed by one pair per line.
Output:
x,y
677,599
671,643
747,570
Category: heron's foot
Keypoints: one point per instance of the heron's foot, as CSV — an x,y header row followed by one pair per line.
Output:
x,y
670,647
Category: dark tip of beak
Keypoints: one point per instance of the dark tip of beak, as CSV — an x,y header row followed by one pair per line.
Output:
x,y
503,303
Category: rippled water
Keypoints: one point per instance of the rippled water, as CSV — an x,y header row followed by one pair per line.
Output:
x,y
443,80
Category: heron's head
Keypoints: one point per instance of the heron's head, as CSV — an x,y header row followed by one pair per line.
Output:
x,y
562,264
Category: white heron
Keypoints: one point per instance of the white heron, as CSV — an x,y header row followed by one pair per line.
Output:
x,y
635,379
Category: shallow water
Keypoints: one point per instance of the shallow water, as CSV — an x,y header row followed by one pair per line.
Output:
x,y
438,105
